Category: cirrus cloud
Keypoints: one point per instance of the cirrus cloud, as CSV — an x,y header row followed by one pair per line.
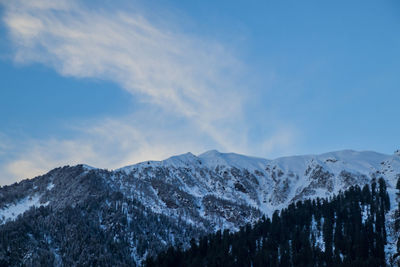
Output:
x,y
188,85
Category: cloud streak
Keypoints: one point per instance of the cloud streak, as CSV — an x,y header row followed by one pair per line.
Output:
x,y
182,74
188,84
109,143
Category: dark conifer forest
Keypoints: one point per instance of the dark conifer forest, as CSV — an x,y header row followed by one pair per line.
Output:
x,y
345,230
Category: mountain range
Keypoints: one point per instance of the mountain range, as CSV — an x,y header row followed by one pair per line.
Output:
x,y
80,215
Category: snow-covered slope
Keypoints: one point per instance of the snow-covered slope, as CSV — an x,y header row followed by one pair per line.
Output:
x,y
271,184
213,158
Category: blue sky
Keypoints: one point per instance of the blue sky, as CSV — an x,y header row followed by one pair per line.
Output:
x,y
119,82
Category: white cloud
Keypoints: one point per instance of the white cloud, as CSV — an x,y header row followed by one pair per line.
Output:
x,y
108,144
189,85
113,143
180,73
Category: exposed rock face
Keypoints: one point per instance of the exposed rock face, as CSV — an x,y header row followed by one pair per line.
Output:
x,y
147,206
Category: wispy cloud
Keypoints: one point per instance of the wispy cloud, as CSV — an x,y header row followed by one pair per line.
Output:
x,y
109,143
181,73
190,80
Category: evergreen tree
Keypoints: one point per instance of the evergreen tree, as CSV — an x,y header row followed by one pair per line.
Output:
x,y
349,235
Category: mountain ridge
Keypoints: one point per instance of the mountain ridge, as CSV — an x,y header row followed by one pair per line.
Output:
x,y
275,173
204,193
214,153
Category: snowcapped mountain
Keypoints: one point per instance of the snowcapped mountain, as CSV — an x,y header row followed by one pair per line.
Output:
x,y
186,196
264,184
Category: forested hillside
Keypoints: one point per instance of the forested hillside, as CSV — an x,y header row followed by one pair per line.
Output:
x,y
345,230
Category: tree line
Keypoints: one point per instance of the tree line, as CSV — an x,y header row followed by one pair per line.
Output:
x,y
345,230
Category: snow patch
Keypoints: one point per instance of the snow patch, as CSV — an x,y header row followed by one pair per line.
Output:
x,y
50,186
213,158
87,167
11,211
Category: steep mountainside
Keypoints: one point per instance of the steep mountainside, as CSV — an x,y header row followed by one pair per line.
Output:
x,y
145,207
346,230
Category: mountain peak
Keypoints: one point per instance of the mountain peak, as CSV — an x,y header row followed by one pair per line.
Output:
x,y
215,158
178,160
212,152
